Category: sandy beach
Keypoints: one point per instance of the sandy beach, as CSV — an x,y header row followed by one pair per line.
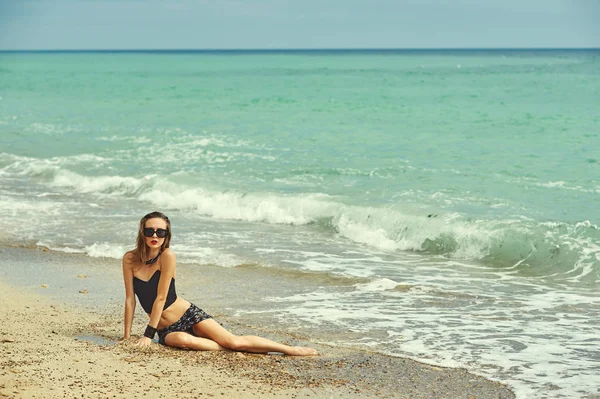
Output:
x,y
52,348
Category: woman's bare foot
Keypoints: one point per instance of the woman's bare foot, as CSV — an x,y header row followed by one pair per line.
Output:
x,y
302,351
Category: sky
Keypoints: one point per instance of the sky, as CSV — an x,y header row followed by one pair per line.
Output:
x,y
297,24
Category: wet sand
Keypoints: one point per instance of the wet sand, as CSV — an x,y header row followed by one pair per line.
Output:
x,y
51,348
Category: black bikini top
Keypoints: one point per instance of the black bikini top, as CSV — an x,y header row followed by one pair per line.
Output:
x,y
146,291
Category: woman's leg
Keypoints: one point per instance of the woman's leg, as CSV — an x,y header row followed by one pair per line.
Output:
x,y
188,341
212,330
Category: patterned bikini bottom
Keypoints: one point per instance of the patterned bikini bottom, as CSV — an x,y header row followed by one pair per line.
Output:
x,y
191,316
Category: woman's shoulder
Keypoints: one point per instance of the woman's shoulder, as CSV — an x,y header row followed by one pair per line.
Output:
x,y
167,260
168,254
129,257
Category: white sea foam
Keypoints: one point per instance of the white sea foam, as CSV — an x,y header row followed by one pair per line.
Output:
x,y
205,255
390,230
101,184
505,337
105,250
51,129
253,207
377,285
46,168
81,158
28,210
565,186
518,242
62,248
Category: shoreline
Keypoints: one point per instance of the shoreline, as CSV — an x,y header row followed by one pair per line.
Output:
x,y
53,349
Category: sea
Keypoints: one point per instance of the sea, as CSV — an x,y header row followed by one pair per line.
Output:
x,y
440,205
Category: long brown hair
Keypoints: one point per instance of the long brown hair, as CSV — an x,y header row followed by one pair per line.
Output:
x,y
141,250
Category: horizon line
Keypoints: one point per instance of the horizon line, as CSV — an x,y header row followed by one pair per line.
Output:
x,y
283,50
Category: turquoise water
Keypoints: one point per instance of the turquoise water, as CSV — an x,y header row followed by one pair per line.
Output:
x,y
461,189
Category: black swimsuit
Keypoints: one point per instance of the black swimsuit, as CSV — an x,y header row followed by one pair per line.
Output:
x,y
146,291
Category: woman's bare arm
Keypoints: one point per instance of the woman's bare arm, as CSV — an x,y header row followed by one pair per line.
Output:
x,y
167,272
129,296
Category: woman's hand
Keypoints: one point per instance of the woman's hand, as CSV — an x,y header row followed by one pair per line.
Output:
x,y
144,341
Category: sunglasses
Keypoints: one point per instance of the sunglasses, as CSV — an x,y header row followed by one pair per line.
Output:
x,y
160,233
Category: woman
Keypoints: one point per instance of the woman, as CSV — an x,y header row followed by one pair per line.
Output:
x,y
149,273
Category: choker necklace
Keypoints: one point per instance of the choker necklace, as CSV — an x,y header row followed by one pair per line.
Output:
x,y
153,260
